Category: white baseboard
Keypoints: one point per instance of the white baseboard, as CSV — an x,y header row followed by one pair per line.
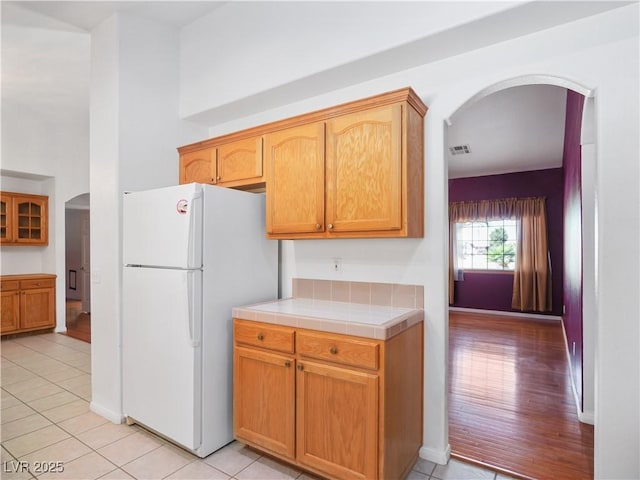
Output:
x,y
584,417
537,316
441,457
110,415
587,416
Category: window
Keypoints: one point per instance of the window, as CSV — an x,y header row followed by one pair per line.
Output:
x,y
489,245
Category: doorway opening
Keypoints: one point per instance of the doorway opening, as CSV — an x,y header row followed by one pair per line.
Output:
x,y
78,268
531,156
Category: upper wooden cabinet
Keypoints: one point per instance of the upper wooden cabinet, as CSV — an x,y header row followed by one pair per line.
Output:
x,y
364,171
295,179
198,166
232,164
351,171
368,181
23,219
6,218
240,163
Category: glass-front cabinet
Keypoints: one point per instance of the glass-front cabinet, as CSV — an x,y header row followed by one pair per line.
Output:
x,y
5,218
23,219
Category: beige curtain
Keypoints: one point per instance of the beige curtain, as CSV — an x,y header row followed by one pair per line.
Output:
x,y
532,276
452,284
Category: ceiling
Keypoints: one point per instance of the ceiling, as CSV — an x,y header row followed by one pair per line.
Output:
x,y
88,14
516,129
512,130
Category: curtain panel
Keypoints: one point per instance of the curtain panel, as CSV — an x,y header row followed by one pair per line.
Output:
x,y
532,275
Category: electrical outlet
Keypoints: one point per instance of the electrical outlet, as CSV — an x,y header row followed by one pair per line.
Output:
x,y
336,264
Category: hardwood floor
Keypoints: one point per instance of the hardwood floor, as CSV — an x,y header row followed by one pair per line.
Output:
x,y
78,322
511,405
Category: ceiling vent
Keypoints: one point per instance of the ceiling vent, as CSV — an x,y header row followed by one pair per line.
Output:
x,y
460,150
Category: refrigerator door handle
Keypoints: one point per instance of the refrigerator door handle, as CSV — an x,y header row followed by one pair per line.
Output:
x,y
191,308
191,236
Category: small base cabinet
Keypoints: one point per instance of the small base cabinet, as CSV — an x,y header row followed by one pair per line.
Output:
x,y
28,303
339,406
265,386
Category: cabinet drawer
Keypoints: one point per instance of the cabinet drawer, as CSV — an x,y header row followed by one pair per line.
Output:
x,y
262,335
38,283
338,349
9,285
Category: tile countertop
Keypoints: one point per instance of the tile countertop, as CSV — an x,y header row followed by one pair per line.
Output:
x,y
370,321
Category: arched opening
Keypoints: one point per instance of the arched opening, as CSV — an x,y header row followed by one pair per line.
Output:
x,y
577,306
78,268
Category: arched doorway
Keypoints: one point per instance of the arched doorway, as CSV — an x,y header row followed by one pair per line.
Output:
x,y
583,377
78,268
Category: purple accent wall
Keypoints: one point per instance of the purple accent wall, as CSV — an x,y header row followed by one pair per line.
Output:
x,y
492,291
572,167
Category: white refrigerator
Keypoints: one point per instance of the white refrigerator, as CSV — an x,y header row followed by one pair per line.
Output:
x,y
191,253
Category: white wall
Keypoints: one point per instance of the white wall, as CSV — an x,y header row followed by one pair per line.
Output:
x,y
135,130
599,52
244,48
39,137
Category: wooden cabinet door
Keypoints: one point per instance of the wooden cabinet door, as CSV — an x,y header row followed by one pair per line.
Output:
x,y
240,161
337,420
364,171
30,220
295,180
10,311
198,166
263,400
6,219
37,308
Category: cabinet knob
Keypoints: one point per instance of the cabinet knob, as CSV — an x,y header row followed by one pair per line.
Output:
x,y
218,178
318,226
333,350
260,337
287,364
330,225
300,367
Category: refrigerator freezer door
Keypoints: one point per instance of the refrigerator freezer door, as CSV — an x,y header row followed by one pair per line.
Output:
x,y
163,227
161,351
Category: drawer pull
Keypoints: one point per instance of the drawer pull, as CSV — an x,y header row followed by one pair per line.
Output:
x,y
287,364
300,367
333,350
260,337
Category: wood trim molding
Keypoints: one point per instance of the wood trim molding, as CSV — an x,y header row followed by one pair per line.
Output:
x,y
401,95
523,315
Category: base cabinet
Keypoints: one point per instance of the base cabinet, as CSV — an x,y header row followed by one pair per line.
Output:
x,y
337,416
28,303
339,406
265,385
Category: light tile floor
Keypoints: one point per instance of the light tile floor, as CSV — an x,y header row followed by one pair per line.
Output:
x,y
46,390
